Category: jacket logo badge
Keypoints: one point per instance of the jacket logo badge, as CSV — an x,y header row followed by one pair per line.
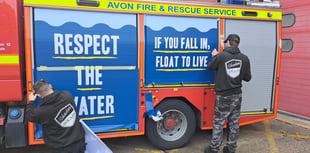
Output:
x,y
66,116
233,67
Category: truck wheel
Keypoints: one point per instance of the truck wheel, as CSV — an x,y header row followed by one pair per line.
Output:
x,y
175,129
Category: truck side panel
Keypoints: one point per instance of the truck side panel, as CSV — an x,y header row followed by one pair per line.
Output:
x,y
95,59
178,49
11,54
258,94
74,53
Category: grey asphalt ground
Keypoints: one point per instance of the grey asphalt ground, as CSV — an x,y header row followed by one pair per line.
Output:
x,y
285,134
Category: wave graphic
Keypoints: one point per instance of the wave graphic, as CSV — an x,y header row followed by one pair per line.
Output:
x,y
190,30
92,26
85,19
181,24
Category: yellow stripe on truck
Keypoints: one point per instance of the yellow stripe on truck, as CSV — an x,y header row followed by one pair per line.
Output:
x,y
162,8
9,60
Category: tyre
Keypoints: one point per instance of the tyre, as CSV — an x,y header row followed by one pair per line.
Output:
x,y
175,129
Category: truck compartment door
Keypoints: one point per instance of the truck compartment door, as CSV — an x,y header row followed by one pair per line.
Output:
x,y
94,56
258,40
177,51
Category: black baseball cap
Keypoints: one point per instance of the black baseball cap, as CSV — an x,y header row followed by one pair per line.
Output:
x,y
233,37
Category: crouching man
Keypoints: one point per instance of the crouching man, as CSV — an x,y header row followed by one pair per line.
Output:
x,y
57,113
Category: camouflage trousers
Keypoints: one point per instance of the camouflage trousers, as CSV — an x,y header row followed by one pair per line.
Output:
x,y
226,107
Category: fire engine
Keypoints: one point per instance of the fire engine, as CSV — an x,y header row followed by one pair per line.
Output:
x,y
133,67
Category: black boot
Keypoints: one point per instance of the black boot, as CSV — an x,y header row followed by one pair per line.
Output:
x,y
208,150
226,150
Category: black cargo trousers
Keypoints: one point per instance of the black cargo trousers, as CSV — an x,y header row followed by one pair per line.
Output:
x,y
226,107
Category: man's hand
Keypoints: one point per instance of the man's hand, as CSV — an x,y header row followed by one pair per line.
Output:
x,y
32,97
214,52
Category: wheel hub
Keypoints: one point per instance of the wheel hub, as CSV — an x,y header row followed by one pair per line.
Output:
x,y
169,123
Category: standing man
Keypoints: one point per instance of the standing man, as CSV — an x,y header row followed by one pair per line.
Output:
x,y
231,67
57,113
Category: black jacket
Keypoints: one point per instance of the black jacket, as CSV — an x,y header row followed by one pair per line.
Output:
x,y
231,67
59,118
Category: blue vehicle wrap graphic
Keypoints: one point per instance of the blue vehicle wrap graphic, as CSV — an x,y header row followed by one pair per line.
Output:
x,y
94,56
178,50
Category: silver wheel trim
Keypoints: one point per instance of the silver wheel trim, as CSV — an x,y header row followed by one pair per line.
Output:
x,y
178,131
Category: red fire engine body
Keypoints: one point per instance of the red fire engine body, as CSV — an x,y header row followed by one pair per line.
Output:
x,y
184,95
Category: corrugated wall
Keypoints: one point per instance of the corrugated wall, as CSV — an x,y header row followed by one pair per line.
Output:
x,y
294,92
